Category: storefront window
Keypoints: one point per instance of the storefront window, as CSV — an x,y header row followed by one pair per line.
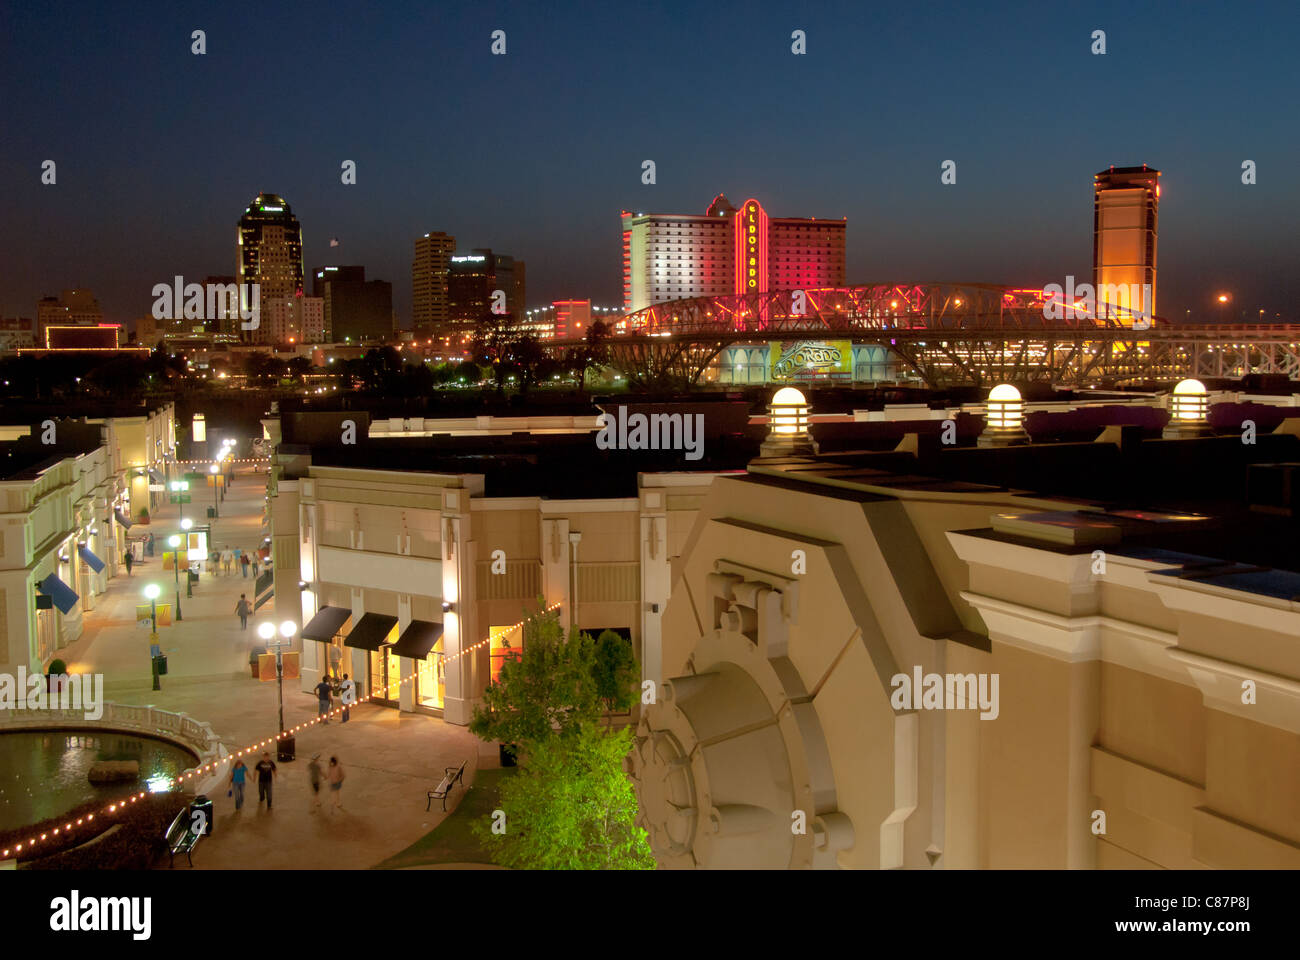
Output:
x,y
431,678
498,651
385,674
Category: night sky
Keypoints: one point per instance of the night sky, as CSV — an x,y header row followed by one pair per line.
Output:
x,y
535,153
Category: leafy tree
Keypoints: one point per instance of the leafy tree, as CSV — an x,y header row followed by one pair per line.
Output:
x,y
593,354
615,672
571,806
544,690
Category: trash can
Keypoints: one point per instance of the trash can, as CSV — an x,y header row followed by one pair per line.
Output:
x,y
212,512
284,752
507,753
161,662
202,804
194,577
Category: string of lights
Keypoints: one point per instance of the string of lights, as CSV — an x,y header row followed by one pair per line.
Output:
x,y
212,766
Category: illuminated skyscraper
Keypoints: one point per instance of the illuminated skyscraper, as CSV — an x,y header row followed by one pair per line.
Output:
x,y
429,271
1125,207
270,251
727,250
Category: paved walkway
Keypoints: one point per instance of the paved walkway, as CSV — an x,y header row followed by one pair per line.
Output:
x,y
391,759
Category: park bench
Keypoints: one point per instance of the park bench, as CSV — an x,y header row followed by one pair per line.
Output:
x,y
181,837
450,777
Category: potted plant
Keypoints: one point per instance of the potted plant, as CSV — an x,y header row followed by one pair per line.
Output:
x,y
252,658
53,672
143,515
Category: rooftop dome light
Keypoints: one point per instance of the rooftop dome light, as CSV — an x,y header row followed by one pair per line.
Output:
x,y
788,413
1190,402
1004,421
1188,409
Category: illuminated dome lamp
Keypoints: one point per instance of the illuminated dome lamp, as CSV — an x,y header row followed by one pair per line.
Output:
x,y
1004,422
787,419
1188,407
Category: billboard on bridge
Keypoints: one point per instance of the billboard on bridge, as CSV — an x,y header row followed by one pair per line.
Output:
x,y
792,360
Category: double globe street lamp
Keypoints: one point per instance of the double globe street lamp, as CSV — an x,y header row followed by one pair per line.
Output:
x,y
267,631
151,592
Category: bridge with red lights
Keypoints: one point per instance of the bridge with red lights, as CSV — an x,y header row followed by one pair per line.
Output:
x,y
944,334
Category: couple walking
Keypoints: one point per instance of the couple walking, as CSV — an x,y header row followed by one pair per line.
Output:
x,y
266,773
333,775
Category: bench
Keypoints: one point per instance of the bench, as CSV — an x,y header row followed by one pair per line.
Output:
x,y
451,776
181,837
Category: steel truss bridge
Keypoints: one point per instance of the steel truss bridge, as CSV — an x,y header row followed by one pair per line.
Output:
x,y
946,334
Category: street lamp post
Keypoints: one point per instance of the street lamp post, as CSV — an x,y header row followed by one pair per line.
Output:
x,y
213,470
189,582
151,591
174,541
267,631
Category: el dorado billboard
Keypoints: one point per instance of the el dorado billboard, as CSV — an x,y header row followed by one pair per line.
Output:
x,y
811,359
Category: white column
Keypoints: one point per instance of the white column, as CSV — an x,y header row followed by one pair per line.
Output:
x,y
655,582
458,589
406,665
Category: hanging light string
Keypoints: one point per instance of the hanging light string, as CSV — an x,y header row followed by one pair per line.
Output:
x,y
120,805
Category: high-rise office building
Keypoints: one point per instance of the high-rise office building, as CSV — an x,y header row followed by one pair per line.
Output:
x,y
320,276
472,283
429,274
270,252
728,250
292,320
355,309
1126,202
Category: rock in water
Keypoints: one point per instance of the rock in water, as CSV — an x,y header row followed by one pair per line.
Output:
x,y
114,771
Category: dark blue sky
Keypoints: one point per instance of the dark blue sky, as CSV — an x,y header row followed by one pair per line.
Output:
x,y
535,153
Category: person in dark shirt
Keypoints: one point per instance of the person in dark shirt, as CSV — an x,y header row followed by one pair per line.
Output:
x,y
323,694
265,778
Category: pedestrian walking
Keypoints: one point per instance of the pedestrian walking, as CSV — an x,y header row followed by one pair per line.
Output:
x,y
148,546
243,564
255,564
243,608
129,560
349,696
336,657
227,558
335,777
238,774
265,779
214,561
317,777
323,692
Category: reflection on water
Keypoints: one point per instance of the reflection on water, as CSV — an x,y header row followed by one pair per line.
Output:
x,y
43,773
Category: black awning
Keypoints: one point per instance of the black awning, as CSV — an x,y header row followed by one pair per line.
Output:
x,y
122,518
418,639
371,632
327,622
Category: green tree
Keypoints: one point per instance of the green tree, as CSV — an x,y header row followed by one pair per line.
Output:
x,y
570,806
543,690
614,670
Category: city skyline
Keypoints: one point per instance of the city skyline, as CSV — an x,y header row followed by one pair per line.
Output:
x,y
554,201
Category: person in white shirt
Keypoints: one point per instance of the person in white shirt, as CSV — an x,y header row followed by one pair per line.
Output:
x,y
348,696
